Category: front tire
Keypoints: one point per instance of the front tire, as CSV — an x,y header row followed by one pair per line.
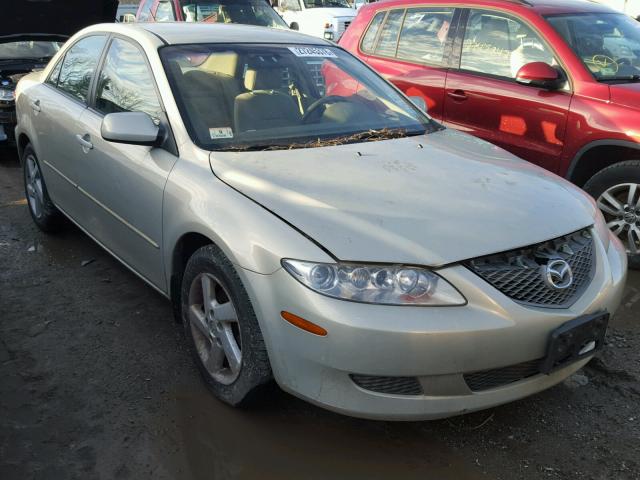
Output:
x,y
222,329
617,193
43,212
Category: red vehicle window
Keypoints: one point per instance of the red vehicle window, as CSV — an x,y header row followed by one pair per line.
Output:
x,y
369,39
389,35
424,35
498,44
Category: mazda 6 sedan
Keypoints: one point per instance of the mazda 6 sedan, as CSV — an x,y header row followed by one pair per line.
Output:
x,y
311,224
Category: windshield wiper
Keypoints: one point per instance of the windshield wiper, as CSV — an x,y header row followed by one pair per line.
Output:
x,y
367,136
621,78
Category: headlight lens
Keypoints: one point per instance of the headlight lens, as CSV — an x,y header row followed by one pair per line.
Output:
x,y
381,284
7,95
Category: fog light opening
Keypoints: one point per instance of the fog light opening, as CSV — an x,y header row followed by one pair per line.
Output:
x,y
303,324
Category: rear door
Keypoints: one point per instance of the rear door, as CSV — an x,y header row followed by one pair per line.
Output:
x,y
411,48
483,98
126,182
57,106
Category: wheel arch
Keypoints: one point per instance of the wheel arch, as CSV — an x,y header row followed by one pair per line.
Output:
x,y
183,249
22,142
598,155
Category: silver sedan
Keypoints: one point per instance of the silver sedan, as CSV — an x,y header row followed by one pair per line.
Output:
x,y
311,224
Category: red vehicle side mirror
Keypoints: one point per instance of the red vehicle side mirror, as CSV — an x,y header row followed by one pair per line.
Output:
x,y
540,75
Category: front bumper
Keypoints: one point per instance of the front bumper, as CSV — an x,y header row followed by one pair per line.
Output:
x,y
435,345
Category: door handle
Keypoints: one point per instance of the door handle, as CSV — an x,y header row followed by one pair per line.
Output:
x,y
458,95
83,140
35,105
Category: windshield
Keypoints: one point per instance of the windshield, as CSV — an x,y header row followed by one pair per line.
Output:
x,y
28,50
327,4
608,44
222,11
252,96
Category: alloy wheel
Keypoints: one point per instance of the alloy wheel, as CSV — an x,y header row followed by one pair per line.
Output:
x,y
34,187
620,205
215,328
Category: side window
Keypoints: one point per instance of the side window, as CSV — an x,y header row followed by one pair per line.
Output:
x,y
125,83
499,45
389,34
79,65
145,12
164,12
369,39
424,35
55,73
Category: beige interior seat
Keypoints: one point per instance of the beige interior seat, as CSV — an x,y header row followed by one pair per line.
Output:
x,y
265,105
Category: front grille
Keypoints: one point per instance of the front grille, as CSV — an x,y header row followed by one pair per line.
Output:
x,y
342,26
388,385
488,379
520,274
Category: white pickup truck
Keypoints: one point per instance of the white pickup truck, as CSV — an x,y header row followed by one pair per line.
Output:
x,y
321,18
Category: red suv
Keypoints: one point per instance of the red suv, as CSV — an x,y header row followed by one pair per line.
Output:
x,y
556,82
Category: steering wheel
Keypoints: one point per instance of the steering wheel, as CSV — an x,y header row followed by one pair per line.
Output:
x,y
315,107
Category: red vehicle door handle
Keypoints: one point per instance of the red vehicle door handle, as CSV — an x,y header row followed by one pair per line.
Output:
x,y
458,95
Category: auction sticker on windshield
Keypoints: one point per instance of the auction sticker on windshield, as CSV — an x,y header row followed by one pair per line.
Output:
x,y
312,52
220,132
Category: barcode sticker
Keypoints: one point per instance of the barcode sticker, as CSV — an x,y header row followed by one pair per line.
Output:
x,y
312,52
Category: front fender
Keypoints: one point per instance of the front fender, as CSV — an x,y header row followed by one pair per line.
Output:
x,y
253,238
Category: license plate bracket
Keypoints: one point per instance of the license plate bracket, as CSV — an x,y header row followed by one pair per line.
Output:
x,y
574,340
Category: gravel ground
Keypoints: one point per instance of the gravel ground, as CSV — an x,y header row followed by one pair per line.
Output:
x,y
96,382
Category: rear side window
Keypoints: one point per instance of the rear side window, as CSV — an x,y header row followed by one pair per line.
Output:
x,y
55,73
125,83
145,12
369,39
389,34
424,35
498,44
79,65
164,12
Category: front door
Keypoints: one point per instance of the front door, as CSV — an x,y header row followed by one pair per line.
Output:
x,y
410,49
126,182
483,98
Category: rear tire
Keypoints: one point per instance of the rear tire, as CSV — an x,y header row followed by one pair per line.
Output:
x,y
222,329
617,192
43,212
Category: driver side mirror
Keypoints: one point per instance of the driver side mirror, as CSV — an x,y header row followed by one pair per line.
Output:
x,y
294,26
134,128
540,75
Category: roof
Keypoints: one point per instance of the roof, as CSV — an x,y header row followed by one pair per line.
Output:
x,y
543,7
547,7
176,33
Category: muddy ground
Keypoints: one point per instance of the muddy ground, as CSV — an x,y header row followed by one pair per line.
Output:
x,y
96,382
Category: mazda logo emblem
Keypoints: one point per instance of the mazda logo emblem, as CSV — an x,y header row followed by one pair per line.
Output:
x,y
557,274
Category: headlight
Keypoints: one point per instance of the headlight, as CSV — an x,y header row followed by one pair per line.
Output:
x,y
7,95
381,284
600,226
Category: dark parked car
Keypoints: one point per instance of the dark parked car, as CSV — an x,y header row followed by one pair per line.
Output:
x,y
557,82
30,34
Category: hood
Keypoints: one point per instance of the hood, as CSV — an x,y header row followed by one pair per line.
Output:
x,y
51,19
626,94
427,200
